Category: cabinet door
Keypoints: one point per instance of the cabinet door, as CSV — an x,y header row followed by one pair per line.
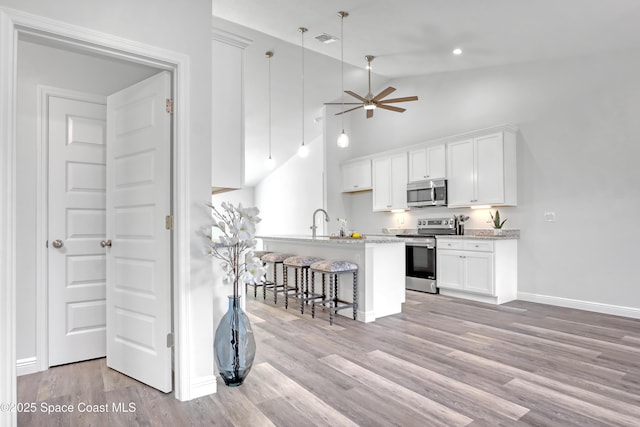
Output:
x,y
382,184
418,165
449,269
399,181
436,164
489,169
479,272
461,173
356,176
228,116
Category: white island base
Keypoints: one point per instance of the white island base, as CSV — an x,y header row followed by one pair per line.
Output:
x,y
381,269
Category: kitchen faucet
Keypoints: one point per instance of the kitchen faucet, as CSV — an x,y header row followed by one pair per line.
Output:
x,y
313,224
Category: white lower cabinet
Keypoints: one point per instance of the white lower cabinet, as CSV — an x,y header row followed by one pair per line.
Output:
x,y
482,270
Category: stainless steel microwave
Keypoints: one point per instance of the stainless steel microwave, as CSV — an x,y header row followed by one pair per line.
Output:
x,y
427,193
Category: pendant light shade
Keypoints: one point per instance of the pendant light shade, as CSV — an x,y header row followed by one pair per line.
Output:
x,y
343,139
269,163
303,151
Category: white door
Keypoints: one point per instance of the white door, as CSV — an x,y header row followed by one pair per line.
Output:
x,y
139,259
77,223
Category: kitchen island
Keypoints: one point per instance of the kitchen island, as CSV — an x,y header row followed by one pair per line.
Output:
x,y
381,268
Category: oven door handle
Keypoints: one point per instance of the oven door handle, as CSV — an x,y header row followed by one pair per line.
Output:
x,y
422,245
433,195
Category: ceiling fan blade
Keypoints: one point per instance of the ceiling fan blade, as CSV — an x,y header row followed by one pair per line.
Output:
x,y
392,108
405,99
384,93
351,109
355,95
369,114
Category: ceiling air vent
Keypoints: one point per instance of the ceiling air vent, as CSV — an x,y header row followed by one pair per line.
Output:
x,y
326,38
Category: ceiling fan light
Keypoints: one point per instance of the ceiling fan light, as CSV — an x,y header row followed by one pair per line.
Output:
x,y
303,151
370,106
343,140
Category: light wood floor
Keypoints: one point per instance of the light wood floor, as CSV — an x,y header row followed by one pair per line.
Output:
x,y
443,361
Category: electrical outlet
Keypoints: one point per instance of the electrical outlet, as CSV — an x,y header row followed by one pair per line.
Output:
x,y
550,216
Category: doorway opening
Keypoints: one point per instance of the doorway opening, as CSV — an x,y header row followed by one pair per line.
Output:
x,y
14,25
84,176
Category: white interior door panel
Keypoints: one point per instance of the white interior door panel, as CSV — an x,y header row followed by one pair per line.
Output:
x,y
139,259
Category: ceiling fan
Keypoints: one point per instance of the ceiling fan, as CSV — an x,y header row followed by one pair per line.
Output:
x,y
370,102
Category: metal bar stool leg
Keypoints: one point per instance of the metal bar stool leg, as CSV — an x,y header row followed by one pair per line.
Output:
x,y
313,292
355,295
331,297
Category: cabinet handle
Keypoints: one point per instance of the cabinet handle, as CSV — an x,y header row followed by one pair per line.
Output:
x,y
388,206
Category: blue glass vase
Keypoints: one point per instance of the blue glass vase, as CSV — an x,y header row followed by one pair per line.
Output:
x,y
234,345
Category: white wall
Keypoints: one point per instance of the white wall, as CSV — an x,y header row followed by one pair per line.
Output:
x,y
577,156
184,28
289,195
40,65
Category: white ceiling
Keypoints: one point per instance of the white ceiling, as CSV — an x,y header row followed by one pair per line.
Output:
x,y
408,38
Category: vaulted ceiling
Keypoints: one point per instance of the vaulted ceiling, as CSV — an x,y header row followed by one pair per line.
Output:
x,y
408,38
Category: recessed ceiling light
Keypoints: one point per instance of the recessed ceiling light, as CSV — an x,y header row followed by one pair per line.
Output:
x,y
326,38
457,51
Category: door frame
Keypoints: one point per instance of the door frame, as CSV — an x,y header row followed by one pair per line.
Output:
x,y
14,23
42,214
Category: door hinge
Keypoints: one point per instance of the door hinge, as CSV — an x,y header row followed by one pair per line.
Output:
x,y
46,244
170,340
169,105
169,222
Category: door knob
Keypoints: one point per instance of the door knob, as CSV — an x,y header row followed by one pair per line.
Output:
x,y
57,244
105,243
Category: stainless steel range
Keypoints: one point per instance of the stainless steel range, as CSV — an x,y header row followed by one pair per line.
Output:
x,y
421,253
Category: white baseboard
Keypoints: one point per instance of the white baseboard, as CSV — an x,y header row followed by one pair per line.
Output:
x,y
26,366
203,386
581,305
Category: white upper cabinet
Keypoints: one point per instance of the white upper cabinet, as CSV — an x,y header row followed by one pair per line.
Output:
x,y
482,170
228,111
390,182
427,163
356,176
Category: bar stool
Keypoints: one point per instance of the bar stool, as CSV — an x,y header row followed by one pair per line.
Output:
x,y
334,269
299,264
257,254
274,258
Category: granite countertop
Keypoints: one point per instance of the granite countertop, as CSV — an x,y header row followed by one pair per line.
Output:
x,y
336,240
485,234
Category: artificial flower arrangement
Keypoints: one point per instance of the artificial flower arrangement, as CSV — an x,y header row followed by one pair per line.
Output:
x,y
235,243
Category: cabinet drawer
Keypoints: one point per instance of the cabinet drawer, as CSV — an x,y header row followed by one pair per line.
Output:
x,y
478,245
450,244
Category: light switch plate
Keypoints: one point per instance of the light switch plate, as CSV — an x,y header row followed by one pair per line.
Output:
x,y
550,216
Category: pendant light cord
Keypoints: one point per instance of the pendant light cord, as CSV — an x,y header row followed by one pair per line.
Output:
x,y
342,15
269,55
302,31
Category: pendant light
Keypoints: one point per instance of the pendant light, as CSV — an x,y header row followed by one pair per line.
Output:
x,y
269,163
303,151
343,139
